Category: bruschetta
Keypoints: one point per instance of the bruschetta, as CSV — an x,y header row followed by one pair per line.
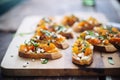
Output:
x,y
87,24
82,52
36,50
100,42
69,20
46,36
57,28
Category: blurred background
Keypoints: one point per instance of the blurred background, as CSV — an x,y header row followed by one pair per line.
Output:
x,y
12,12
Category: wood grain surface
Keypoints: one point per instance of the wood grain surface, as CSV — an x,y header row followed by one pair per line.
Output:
x,y
14,64
10,21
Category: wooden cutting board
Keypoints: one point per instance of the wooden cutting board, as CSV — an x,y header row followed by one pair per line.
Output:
x,y
13,65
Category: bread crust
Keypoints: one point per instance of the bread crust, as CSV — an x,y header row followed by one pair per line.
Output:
x,y
63,45
67,35
81,29
105,48
81,61
54,55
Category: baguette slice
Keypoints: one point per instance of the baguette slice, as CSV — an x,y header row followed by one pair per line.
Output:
x,y
62,45
54,55
88,61
39,50
105,48
82,26
67,35
81,57
69,20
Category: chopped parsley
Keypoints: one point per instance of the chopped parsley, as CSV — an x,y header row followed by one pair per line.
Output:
x,y
47,33
45,61
91,33
60,29
47,20
31,42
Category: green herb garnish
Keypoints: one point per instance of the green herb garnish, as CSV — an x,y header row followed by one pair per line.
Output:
x,y
60,29
45,61
47,33
101,37
110,61
34,43
91,33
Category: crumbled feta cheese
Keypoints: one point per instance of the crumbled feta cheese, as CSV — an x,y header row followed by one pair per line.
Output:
x,y
81,54
30,51
25,49
86,32
39,50
69,30
78,58
91,47
42,60
92,37
53,40
33,60
85,58
52,33
103,41
42,50
58,36
88,37
37,37
24,65
96,34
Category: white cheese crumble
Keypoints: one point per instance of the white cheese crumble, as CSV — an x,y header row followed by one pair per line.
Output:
x,y
52,33
85,58
78,58
69,30
96,34
30,51
91,47
25,49
39,50
58,36
86,32
88,37
53,40
37,37
33,60
81,54
24,65
42,60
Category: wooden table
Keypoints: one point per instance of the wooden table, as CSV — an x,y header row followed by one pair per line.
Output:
x,y
10,21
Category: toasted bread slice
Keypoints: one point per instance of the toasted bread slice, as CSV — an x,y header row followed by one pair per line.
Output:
x,y
67,35
37,50
100,43
82,52
105,48
76,60
54,55
62,45
82,26
69,20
